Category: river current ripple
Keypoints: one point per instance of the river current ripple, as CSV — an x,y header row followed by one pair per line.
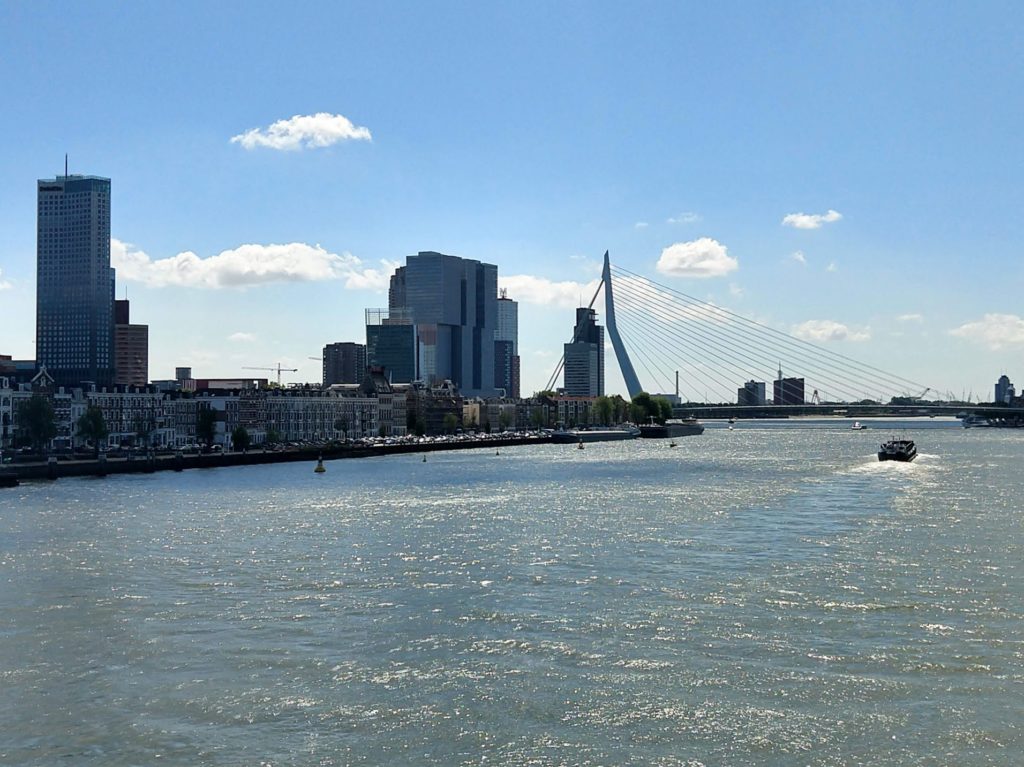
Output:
x,y
768,595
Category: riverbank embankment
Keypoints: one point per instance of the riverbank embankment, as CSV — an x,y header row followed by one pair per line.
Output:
x,y
54,469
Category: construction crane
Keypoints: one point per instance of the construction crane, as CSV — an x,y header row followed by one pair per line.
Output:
x,y
279,370
919,396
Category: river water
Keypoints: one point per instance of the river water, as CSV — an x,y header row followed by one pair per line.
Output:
x,y
767,595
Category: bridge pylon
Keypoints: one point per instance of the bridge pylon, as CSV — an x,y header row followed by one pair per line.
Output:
x,y
625,365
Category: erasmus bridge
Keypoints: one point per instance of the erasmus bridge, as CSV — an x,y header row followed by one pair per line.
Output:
x,y
667,341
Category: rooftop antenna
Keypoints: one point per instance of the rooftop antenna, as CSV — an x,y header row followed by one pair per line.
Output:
x,y
65,165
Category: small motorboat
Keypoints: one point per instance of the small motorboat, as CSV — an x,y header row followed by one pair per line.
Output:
x,y
673,443
858,426
898,450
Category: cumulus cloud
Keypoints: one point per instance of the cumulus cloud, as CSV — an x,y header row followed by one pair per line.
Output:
x,y
688,217
640,225
832,267
704,257
993,330
246,266
811,220
539,290
829,330
303,132
4,284
798,256
241,337
910,318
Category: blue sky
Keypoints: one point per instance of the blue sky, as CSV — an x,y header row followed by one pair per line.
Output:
x,y
534,136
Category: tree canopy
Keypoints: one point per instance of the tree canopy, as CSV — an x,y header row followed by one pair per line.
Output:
x,y
206,424
240,438
93,426
37,421
646,408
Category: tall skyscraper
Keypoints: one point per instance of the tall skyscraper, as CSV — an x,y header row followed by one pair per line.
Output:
x,y
74,281
506,346
584,357
452,302
344,363
131,348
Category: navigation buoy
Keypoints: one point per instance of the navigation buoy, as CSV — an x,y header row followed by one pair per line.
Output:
x,y
424,459
319,465
580,445
497,452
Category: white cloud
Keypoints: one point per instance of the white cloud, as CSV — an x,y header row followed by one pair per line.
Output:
x,y
829,330
640,225
735,290
4,284
247,266
704,257
832,267
303,132
811,220
241,337
529,289
994,331
910,318
688,217
798,256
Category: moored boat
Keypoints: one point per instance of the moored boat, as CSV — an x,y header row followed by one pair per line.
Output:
x,y
595,435
898,450
684,427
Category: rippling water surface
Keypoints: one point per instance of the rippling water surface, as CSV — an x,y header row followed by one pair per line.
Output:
x,y
767,595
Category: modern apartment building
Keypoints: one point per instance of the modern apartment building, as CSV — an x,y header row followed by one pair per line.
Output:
x,y
344,363
131,348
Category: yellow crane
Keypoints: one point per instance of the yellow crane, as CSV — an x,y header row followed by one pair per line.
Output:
x,y
279,370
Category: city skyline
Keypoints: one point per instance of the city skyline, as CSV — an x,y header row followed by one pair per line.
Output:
x,y
845,175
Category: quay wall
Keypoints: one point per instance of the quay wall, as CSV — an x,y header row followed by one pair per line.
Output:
x,y
100,468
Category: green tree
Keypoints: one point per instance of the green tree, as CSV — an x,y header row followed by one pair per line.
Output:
x,y
206,424
341,424
537,417
93,427
504,419
144,425
620,408
646,408
240,438
603,410
665,408
273,436
36,421
450,422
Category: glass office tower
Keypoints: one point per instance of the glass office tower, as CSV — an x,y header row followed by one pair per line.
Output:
x,y
453,303
74,281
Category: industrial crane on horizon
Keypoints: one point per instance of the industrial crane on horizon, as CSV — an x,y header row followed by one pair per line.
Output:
x,y
279,370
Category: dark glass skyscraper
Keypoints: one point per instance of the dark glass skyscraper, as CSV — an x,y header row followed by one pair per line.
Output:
x,y
74,281
584,357
452,302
